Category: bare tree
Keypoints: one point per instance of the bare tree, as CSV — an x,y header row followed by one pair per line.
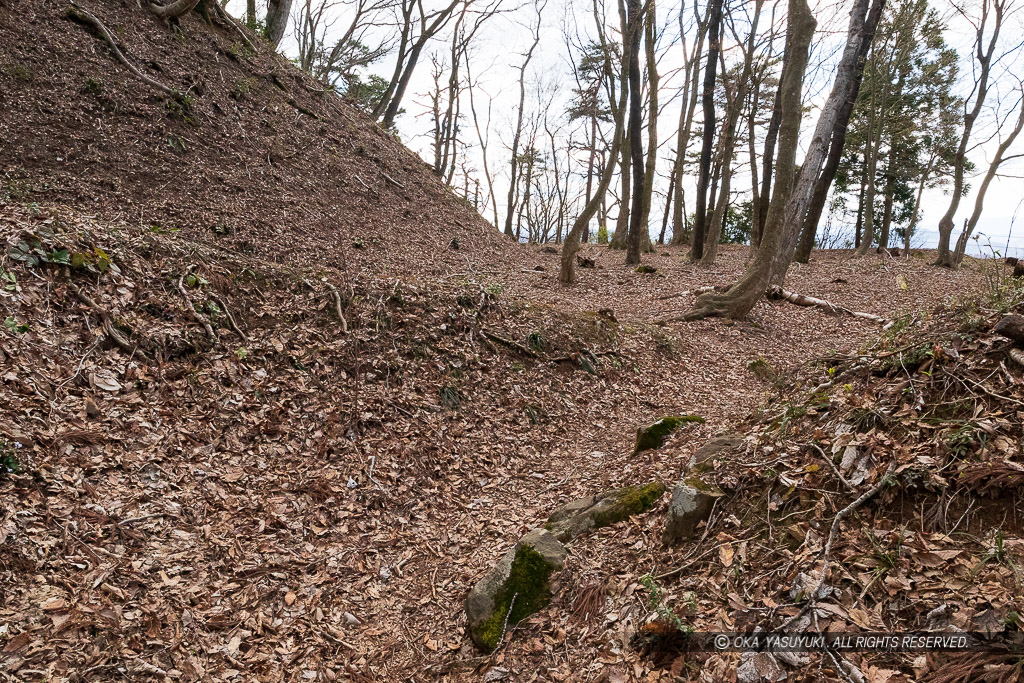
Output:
x,y
410,47
736,96
992,15
790,200
634,23
571,246
993,168
517,133
708,103
691,83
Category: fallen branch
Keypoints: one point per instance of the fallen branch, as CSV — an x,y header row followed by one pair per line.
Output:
x,y
108,324
776,292
83,15
392,180
508,342
826,555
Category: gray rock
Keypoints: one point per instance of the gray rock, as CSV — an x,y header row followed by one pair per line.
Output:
x,y
515,588
716,446
692,500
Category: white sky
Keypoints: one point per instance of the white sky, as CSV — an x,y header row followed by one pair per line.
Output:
x,y
497,53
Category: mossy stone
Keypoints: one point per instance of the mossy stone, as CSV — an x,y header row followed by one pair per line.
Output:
x,y
654,435
626,502
516,588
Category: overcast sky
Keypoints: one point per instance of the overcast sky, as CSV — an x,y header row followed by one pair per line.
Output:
x,y
497,53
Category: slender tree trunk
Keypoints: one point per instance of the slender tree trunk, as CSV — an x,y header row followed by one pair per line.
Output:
x,y
636,142
890,188
708,104
619,239
650,37
983,66
917,204
979,202
741,297
668,206
679,227
590,169
733,113
571,246
771,137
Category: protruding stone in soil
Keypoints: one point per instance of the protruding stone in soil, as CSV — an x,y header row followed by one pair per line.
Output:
x,y
691,504
518,586
593,512
654,435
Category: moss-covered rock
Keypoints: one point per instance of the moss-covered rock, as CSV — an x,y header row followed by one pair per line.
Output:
x,y
593,512
518,586
646,270
653,435
626,502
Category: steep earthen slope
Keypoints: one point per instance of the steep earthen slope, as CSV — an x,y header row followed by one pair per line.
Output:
x,y
256,157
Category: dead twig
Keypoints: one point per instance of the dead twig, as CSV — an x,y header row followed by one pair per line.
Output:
x,y
337,307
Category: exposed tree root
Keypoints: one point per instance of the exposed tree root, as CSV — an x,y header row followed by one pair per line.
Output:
x,y
79,13
509,343
231,319
222,13
336,296
108,324
191,309
775,292
174,9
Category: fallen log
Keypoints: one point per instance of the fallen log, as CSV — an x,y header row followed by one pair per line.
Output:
x,y
776,292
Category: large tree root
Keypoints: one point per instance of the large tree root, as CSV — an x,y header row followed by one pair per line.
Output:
x,y
776,292
82,15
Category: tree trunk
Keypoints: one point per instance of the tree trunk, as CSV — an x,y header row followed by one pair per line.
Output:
x,y
984,59
741,297
650,29
834,115
619,240
733,113
890,188
979,202
571,246
635,23
708,104
917,204
590,170
679,231
771,137
278,12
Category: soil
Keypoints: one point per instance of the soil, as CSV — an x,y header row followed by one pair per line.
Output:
x,y
308,495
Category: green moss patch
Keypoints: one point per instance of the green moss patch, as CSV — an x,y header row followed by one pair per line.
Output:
x,y
527,590
626,502
654,435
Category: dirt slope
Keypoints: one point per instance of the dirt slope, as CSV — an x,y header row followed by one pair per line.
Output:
x,y
290,493
258,160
